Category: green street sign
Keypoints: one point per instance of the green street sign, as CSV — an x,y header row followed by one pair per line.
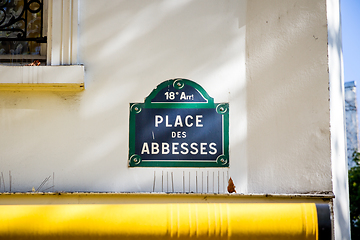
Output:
x,y
179,125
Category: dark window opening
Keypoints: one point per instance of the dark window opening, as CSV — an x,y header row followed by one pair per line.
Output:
x,y
22,35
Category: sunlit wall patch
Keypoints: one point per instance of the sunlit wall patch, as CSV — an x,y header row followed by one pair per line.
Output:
x,y
179,125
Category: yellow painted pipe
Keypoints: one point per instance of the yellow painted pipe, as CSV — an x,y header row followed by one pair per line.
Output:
x,y
161,221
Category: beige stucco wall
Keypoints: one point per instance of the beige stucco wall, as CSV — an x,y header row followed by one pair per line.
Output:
x,y
287,96
268,59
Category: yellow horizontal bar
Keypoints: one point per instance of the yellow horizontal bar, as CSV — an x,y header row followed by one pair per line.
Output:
x,y
41,86
160,221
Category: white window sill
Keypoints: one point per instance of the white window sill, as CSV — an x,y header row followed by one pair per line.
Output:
x,y
50,78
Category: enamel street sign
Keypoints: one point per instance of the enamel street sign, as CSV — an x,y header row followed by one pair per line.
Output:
x,y
179,125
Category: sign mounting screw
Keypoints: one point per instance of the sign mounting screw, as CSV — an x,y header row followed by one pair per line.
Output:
x,y
178,84
222,160
135,160
136,109
222,108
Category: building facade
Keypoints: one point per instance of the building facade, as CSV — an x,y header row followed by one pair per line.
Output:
x,y
352,132
65,126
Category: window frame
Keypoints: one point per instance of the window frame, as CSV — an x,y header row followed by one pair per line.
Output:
x,y
6,58
63,71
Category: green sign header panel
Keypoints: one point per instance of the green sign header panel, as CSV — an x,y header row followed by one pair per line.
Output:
x,y
179,125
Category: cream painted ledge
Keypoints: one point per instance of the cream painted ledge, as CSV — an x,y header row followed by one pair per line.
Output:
x,y
42,78
25,198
